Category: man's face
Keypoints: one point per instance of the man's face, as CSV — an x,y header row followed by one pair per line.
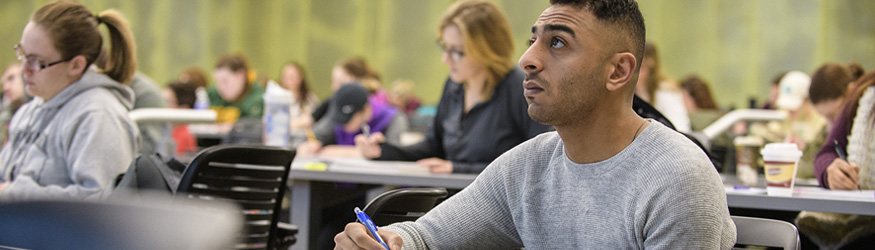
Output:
x,y
565,70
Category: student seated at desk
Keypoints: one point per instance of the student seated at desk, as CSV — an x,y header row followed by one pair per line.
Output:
x,y
354,115
481,113
74,138
606,179
181,95
235,95
854,132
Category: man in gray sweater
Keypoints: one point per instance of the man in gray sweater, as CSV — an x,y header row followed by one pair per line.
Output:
x,y
606,179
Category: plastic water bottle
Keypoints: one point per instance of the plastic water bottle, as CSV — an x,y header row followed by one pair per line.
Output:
x,y
277,118
202,101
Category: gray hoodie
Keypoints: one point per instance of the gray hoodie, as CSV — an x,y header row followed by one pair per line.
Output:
x,y
72,146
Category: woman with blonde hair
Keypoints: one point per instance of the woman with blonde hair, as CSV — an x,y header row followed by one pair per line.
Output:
x,y
74,138
482,112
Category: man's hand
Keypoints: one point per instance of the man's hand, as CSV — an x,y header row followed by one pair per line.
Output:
x,y
356,236
370,146
842,175
437,165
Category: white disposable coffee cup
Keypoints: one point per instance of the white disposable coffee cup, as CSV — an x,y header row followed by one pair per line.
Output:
x,y
781,161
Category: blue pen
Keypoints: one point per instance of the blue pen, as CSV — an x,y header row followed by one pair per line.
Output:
x,y
364,219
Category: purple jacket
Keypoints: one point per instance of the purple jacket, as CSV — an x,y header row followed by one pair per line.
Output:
x,y
840,131
380,119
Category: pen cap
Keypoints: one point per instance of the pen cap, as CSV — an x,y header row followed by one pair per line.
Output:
x,y
781,152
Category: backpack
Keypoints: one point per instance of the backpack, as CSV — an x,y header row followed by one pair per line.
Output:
x,y
152,173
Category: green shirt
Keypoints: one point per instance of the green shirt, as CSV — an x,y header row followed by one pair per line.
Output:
x,y
250,106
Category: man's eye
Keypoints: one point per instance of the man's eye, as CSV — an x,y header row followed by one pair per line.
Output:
x,y
530,42
556,43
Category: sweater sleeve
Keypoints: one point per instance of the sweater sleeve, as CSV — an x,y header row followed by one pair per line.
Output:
x,y
466,220
827,154
100,148
688,214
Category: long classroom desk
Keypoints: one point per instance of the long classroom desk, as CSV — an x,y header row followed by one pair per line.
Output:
x,y
306,200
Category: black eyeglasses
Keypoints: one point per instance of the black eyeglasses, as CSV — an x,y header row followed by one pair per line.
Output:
x,y
32,63
455,55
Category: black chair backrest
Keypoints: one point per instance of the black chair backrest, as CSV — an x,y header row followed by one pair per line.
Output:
x,y
253,176
404,204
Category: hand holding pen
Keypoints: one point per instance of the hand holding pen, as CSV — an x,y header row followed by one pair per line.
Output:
x,y
369,144
365,235
841,174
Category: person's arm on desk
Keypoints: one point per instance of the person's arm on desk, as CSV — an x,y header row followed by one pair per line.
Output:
x,y
345,151
376,148
827,158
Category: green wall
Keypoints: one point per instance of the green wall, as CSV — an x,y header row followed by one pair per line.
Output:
x,y
736,45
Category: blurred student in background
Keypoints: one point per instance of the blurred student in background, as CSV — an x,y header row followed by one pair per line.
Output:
x,y
829,86
13,97
294,79
402,97
803,126
181,95
773,92
482,112
353,70
854,130
74,138
195,76
353,114
235,95
656,88
699,103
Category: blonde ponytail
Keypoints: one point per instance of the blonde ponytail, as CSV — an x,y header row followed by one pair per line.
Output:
x,y
121,62
74,31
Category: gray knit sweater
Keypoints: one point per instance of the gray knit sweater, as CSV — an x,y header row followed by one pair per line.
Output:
x,y
661,192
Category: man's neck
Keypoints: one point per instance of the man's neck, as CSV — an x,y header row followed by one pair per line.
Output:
x,y
601,136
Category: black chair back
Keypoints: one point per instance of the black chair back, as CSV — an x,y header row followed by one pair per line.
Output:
x,y
404,204
253,176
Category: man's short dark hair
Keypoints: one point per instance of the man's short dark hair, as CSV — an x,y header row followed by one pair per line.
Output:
x,y
622,13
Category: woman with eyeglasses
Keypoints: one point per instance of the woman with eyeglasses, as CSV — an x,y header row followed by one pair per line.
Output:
x,y
74,138
482,112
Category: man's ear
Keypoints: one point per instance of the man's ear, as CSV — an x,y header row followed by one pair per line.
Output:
x,y
77,65
621,68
